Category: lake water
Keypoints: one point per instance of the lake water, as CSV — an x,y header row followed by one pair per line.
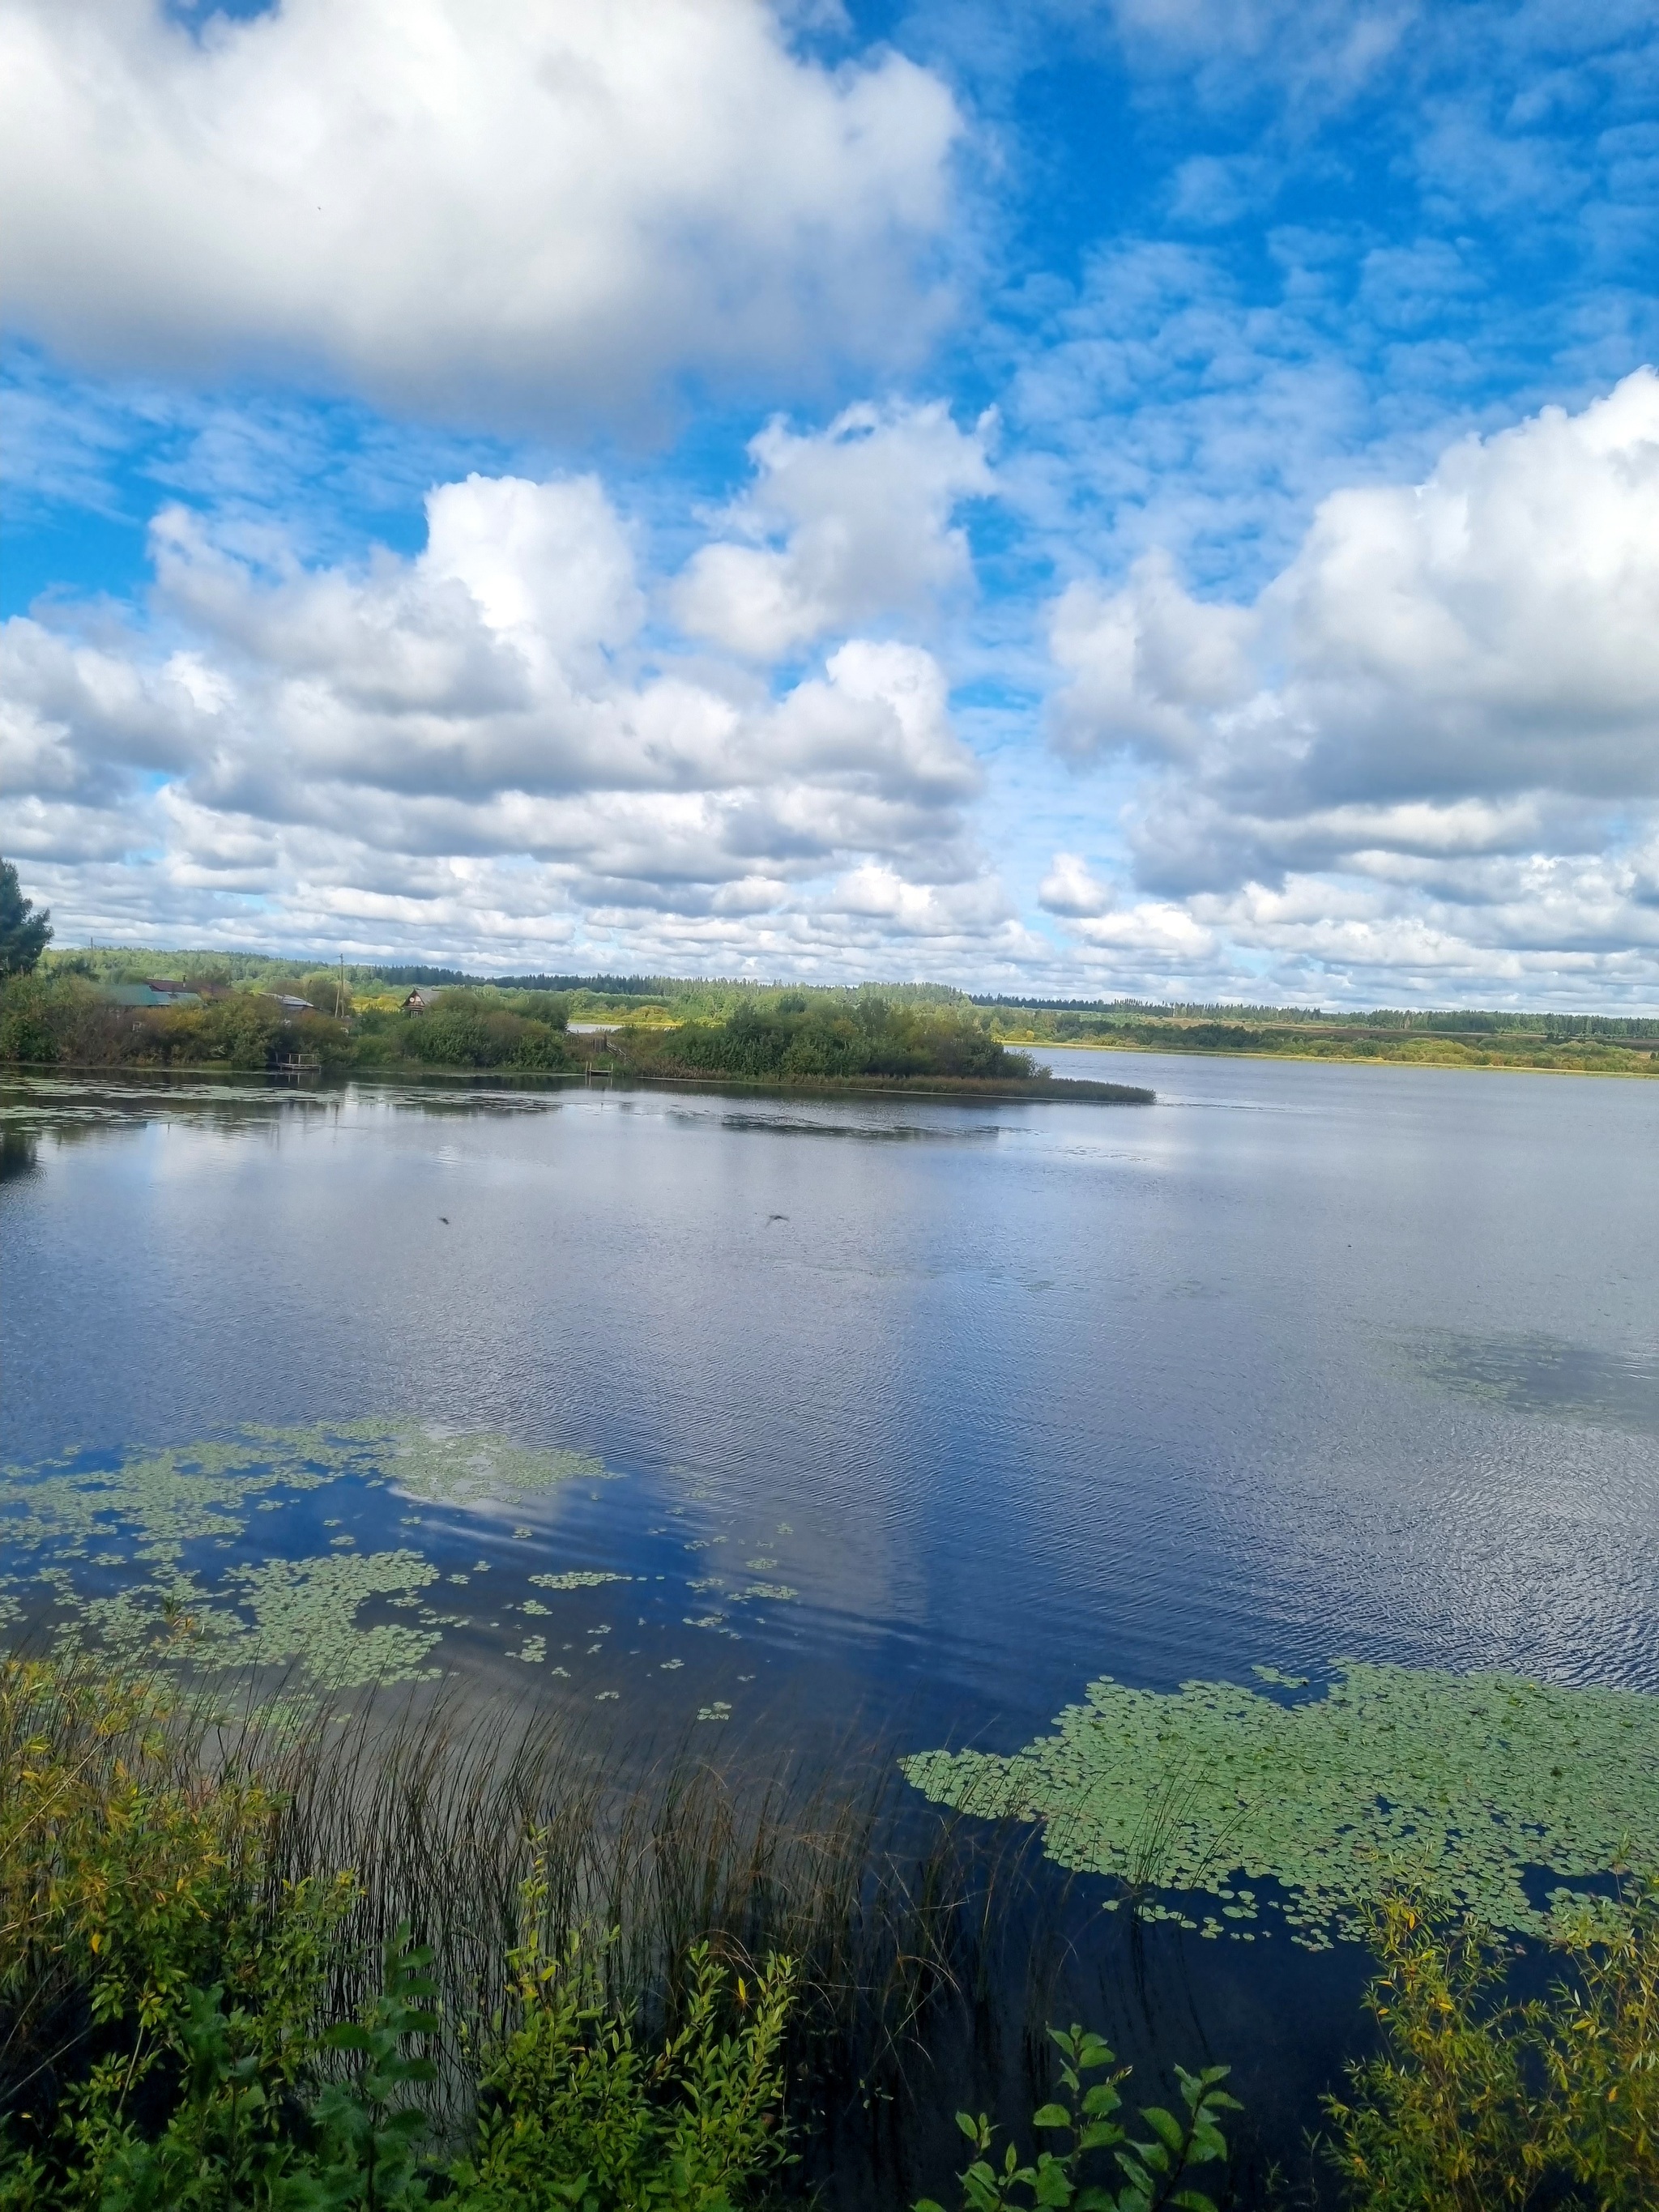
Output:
x,y
924,1411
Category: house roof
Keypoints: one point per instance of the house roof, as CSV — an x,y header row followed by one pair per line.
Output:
x,y
147,994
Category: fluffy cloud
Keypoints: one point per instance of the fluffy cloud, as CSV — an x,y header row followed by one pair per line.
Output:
x,y
480,730
1071,888
864,509
1428,752
1146,666
1464,667
476,204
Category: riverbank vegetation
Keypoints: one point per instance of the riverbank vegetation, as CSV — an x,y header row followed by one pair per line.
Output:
x,y
57,1008
870,1039
63,1016
1598,1044
420,1957
60,1018
429,1957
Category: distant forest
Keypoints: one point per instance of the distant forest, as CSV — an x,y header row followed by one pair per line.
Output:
x,y
720,996
61,1012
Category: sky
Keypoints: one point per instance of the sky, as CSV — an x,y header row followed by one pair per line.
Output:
x,y
1150,497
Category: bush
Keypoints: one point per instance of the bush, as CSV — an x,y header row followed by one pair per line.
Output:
x,y
1153,2174
1476,2101
467,1029
243,1031
170,2038
577,2113
871,1038
27,1032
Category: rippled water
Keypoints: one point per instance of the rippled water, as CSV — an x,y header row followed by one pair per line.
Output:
x,y
1304,1362
917,1415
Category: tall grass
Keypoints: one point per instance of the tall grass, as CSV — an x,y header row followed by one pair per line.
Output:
x,y
906,1931
437,1809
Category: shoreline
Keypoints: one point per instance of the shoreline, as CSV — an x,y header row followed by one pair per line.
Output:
x,y
1061,1089
1485,1067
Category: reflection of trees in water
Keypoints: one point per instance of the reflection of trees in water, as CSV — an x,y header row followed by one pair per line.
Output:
x,y
19,1150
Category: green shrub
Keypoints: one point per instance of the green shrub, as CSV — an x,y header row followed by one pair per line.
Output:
x,y
790,1040
27,1032
469,1029
578,2112
1151,2175
1477,2102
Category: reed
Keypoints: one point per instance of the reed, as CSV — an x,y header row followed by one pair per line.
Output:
x,y
908,1929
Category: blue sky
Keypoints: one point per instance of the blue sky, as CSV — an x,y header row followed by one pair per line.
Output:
x,y
1118,495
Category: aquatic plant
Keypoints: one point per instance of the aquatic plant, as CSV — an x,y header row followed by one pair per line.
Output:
x,y
169,1499
576,1578
304,1615
1465,1782
1476,2101
66,1525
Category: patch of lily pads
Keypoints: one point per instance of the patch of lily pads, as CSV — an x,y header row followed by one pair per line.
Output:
x,y
301,1616
1470,1783
65,1526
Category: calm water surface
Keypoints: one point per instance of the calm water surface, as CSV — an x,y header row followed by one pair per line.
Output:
x,y
1302,1363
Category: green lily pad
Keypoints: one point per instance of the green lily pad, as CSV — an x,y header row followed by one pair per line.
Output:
x,y
1464,1782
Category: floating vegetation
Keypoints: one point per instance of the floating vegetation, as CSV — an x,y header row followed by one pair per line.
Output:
x,y
578,1578
284,1613
1548,1376
156,1513
447,1467
169,1499
171,1557
1464,1782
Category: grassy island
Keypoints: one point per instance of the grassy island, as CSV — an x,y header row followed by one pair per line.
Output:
x,y
872,1043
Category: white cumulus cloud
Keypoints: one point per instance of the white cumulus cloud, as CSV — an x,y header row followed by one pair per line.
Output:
x,y
1462,665
865,511
473,205
1428,749
479,731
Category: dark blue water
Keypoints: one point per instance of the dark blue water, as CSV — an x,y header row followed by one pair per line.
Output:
x,y
1304,1362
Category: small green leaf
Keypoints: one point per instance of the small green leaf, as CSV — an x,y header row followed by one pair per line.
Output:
x,y
1165,2126
1099,2135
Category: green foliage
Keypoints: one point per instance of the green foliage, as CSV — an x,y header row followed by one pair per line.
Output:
x,y
579,2116
28,1035
1477,2102
1469,1779
368,2125
1153,2173
172,2040
25,932
476,1029
792,1040
140,1941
